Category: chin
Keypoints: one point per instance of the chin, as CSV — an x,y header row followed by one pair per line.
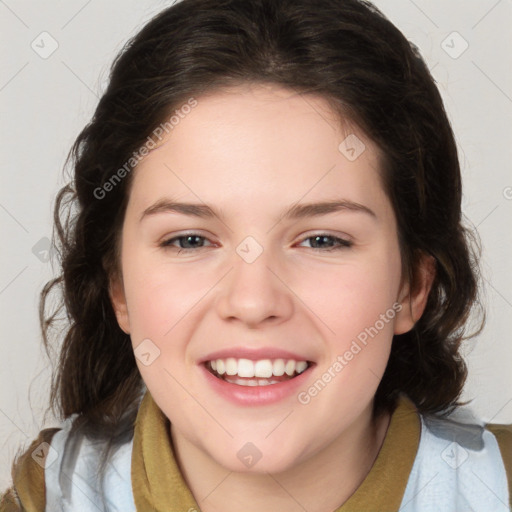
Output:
x,y
249,458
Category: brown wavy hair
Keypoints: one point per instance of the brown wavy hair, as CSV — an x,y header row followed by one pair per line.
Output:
x,y
345,51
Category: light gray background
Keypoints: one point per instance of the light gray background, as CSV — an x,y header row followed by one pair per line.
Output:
x,y
46,101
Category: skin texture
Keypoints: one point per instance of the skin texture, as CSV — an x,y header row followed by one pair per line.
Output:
x,y
250,153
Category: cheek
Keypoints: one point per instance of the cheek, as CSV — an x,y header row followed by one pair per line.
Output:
x,y
349,298
163,297
356,304
162,302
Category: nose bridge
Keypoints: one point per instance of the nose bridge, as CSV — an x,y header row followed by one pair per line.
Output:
x,y
252,293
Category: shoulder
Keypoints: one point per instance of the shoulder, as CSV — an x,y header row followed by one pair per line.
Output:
x,y
461,464
77,480
503,435
28,477
61,470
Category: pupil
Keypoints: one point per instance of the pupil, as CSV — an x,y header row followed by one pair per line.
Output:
x,y
321,239
191,237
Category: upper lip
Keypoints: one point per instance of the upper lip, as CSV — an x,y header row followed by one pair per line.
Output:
x,y
255,354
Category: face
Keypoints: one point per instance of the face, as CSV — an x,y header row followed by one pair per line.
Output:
x,y
261,277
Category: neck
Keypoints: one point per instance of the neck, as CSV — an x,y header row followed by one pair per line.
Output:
x,y
322,483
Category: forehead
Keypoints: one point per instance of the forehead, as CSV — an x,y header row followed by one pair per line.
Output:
x,y
260,144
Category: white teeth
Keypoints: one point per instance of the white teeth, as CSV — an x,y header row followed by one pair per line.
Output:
x,y
221,367
245,368
301,366
289,368
278,367
231,366
264,368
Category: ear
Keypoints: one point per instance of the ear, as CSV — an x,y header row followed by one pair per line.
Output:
x,y
414,301
118,299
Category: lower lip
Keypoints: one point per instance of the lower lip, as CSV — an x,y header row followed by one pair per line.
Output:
x,y
256,395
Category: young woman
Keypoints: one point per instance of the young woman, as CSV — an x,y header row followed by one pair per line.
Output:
x,y
266,277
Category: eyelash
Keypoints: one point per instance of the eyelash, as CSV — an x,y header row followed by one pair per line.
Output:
x,y
343,244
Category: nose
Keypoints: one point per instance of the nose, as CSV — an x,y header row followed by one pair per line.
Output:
x,y
254,294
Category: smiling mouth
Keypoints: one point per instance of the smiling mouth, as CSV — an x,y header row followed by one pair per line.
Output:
x,y
263,372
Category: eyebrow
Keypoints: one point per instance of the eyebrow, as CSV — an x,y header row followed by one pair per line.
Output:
x,y
296,211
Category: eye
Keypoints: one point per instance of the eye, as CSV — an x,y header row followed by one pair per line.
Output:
x,y
186,242
194,241
325,242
